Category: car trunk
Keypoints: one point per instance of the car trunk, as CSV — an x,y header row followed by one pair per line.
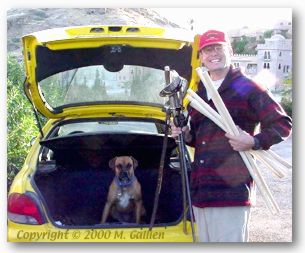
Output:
x,y
74,180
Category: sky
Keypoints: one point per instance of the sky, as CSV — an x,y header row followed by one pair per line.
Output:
x,y
227,18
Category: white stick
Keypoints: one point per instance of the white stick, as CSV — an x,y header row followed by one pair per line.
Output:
x,y
214,117
204,104
270,164
232,129
275,165
276,157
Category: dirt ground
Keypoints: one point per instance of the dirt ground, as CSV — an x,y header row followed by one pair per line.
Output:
x,y
264,226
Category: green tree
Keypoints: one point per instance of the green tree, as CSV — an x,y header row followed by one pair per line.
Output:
x,y
98,90
21,125
286,100
239,46
54,91
14,71
97,80
268,34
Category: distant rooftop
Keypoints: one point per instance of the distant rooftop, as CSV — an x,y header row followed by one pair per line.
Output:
x,y
277,37
283,25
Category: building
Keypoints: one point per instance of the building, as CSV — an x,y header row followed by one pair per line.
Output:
x,y
275,55
246,62
284,28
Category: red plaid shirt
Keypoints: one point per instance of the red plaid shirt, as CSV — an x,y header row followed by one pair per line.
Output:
x,y
219,176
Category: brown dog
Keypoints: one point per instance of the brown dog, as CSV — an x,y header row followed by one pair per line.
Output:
x,y
124,200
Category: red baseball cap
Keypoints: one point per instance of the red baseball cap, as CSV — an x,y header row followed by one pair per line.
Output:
x,y
213,37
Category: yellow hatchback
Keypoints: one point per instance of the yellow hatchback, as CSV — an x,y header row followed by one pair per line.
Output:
x,y
99,87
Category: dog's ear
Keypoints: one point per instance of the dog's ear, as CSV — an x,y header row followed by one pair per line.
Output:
x,y
135,162
112,162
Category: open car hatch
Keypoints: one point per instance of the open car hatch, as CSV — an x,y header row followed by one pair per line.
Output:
x,y
113,70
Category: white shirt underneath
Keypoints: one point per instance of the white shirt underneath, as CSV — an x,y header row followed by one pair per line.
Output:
x,y
217,84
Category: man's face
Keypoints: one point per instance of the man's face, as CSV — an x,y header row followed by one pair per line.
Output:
x,y
216,57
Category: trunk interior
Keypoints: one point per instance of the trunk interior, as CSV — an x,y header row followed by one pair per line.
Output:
x,y
73,182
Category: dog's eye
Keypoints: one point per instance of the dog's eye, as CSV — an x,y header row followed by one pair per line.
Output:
x,y
128,166
119,166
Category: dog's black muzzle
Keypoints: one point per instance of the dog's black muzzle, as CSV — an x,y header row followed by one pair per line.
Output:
x,y
124,177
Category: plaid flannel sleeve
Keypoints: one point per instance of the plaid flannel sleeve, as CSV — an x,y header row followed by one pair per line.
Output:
x,y
275,124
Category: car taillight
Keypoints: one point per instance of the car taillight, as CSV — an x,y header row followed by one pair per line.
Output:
x,y
22,208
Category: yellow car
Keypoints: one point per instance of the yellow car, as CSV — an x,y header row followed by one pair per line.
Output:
x,y
99,87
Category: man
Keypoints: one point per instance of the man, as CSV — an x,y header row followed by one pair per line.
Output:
x,y
222,189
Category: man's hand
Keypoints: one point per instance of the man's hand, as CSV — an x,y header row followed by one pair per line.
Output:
x,y
242,142
177,130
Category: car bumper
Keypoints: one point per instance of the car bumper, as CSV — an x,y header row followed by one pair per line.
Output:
x,y
50,233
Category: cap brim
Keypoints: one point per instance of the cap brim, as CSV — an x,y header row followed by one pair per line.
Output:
x,y
213,43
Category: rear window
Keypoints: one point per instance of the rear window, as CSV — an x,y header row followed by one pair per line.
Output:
x,y
95,84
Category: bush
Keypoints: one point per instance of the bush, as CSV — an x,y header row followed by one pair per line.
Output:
x,y
286,100
287,105
21,125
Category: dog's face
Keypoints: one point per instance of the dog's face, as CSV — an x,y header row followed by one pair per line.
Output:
x,y
123,167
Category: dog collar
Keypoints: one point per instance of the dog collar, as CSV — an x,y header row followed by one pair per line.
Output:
x,y
120,184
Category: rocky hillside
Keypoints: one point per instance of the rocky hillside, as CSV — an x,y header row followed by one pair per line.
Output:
x,y
24,21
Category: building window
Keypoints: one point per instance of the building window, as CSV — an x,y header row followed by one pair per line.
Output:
x,y
251,68
280,54
284,69
268,66
267,55
280,66
264,65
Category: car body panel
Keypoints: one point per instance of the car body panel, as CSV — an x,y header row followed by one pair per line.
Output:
x,y
49,233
